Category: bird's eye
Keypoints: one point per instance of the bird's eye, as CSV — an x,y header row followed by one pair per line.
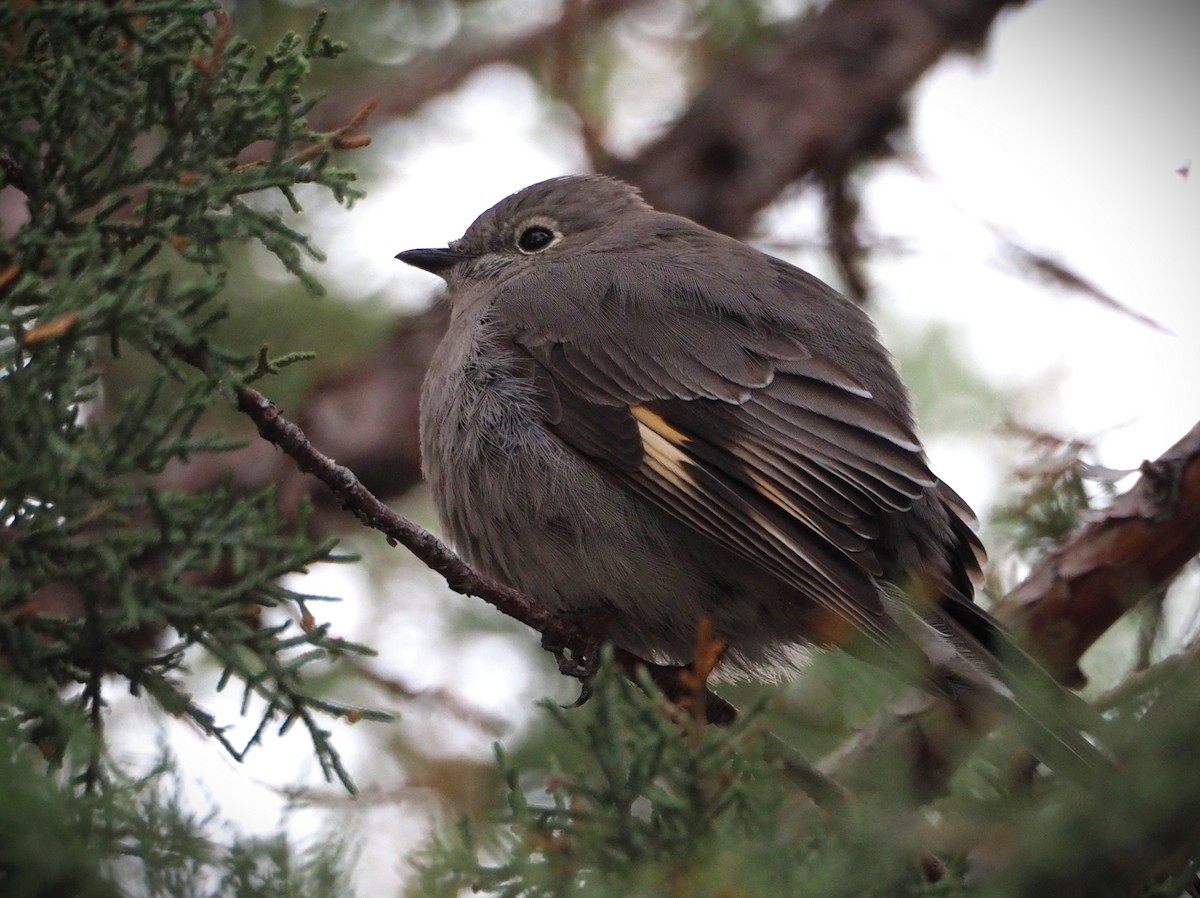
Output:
x,y
535,238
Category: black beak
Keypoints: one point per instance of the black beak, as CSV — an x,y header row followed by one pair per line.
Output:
x,y
435,261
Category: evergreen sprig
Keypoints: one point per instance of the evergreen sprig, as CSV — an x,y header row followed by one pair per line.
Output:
x,y
141,138
136,836
648,802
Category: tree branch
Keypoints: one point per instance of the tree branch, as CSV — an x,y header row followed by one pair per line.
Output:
x,y
821,97
460,576
1139,544
406,89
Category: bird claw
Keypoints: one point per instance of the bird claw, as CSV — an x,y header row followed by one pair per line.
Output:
x,y
578,654
579,662
585,693
579,665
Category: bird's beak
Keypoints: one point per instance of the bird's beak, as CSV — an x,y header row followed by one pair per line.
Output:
x,y
435,261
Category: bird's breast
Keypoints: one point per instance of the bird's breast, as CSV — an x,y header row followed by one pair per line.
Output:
x,y
512,499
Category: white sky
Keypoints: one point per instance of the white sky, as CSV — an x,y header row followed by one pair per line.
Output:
x,y
1065,135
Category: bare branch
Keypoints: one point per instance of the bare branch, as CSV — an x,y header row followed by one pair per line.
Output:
x,y
405,90
822,96
459,576
1138,545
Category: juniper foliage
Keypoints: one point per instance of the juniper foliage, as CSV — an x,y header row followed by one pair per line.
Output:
x,y
636,801
640,800
136,140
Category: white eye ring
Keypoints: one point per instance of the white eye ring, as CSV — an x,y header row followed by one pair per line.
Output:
x,y
535,236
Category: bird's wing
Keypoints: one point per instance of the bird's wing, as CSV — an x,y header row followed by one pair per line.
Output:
x,y
720,412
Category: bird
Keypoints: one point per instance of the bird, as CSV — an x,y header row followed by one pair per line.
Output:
x,y
636,419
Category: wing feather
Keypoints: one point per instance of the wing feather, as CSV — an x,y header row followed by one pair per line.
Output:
x,y
835,403
841,453
832,497
773,481
775,543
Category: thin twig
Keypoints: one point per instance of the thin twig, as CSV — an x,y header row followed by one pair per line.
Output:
x,y
459,576
442,698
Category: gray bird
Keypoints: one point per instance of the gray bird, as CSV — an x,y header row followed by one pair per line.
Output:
x,y
635,416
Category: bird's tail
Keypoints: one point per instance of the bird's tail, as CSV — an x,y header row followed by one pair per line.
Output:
x,y
973,659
